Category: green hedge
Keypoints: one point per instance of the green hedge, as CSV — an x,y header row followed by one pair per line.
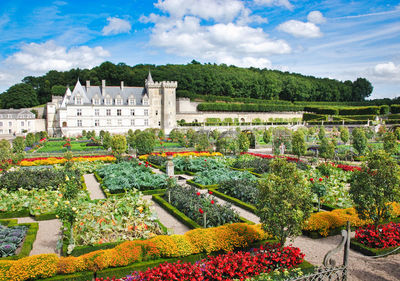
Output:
x,y
30,238
195,184
248,107
322,110
78,276
313,116
365,110
355,117
17,214
395,108
234,200
393,116
359,247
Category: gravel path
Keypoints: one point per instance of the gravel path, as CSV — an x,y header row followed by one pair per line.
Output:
x,y
93,187
361,268
48,235
167,219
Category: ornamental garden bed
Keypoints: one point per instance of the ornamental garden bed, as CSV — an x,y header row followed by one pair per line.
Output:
x,y
134,254
374,242
16,240
39,161
121,177
211,178
60,146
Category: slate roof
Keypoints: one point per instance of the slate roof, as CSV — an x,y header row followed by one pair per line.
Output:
x,y
16,114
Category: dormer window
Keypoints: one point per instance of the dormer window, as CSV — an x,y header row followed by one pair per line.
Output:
x,y
96,101
145,101
118,101
131,101
78,100
108,101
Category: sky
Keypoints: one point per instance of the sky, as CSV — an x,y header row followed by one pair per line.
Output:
x,y
340,39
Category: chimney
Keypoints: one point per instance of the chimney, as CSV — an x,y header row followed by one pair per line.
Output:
x,y
103,87
87,84
122,85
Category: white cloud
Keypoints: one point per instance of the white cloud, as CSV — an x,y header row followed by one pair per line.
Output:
x,y
224,43
316,17
116,26
300,29
387,71
48,56
219,10
281,3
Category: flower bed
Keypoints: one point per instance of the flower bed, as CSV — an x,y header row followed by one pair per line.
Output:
x,y
194,204
112,220
10,239
385,236
215,176
223,238
300,164
255,164
117,178
38,161
230,266
182,153
328,223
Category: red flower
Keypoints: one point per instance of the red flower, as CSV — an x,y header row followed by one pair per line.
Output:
x,y
201,211
205,160
320,179
210,192
140,164
311,180
198,193
212,202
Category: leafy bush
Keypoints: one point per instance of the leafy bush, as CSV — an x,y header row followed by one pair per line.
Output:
x,y
215,176
157,159
29,179
245,190
128,175
395,108
192,203
256,164
10,239
198,164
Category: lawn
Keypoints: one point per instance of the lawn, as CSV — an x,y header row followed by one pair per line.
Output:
x,y
58,146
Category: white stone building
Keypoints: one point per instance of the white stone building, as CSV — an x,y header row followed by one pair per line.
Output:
x,y
113,108
19,121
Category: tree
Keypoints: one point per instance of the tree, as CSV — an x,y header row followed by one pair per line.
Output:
x,y
18,144
344,134
327,149
145,142
362,89
397,133
359,140
30,139
107,140
376,186
19,96
267,135
200,141
390,143
321,133
243,142
299,145
161,134
5,155
319,189
284,200
118,144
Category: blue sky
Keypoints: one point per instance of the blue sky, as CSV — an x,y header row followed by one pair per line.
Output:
x,y
337,39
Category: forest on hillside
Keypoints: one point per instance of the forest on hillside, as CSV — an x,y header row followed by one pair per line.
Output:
x,y
193,79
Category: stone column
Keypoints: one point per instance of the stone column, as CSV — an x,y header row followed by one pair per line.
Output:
x,y
170,167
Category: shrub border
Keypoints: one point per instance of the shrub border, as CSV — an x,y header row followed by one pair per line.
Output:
x,y
234,201
195,184
361,248
30,238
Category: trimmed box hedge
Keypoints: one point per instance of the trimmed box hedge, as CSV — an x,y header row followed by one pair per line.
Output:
x,y
30,238
195,184
78,276
361,248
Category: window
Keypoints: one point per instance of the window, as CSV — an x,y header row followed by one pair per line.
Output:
x,y
10,124
29,123
97,112
79,112
1,124
132,101
22,123
146,122
108,122
119,112
159,123
79,123
132,112
1,131
119,122
96,101
78,100
132,122
108,112
108,101
118,101
146,112
156,112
